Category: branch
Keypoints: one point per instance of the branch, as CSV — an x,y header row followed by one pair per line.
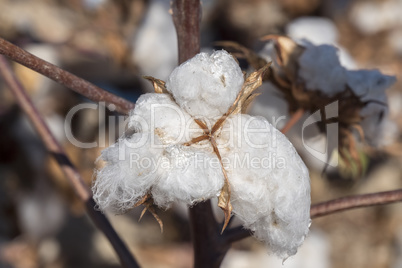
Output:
x,y
71,173
332,206
65,78
186,18
355,201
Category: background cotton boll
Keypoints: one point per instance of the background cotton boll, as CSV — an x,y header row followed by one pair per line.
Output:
x,y
317,30
189,176
378,129
321,70
129,172
369,85
155,44
159,114
206,85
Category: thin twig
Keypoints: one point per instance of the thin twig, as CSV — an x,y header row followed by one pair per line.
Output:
x,y
71,173
65,78
355,201
293,120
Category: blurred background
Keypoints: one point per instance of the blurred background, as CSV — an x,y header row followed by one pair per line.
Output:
x,y
114,43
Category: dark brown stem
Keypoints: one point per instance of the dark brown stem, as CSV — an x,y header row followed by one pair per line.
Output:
x,y
355,201
209,246
65,78
71,173
186,18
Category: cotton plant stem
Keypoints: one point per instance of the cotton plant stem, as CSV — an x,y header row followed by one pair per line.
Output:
x,y
293,120
355,201
65,78
71,173
186,18
209,246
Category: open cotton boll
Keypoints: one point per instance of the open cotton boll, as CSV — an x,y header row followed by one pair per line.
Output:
x,y
188,175
270,183
129,172
206,85
321,70
159,114
369,85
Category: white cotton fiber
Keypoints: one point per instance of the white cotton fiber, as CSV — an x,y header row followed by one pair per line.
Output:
x,y
159,114
189,176
270,184
128,174
321,70
206,85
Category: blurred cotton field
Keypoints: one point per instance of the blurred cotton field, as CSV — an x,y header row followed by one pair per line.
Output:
x,y
114,43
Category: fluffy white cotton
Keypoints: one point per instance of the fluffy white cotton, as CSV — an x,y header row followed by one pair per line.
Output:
x,y
321,70
206,85
128,174
317,30
155,44
189,176
159,114
270,183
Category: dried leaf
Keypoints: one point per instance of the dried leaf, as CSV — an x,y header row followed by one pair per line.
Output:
x,y
144,199
252,82
242,52
224,197
248,101
288,53
159,85
148,202
224,202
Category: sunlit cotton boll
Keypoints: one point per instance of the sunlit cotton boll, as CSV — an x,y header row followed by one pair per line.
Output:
x,y
270,183
128,173
206,85
189,176
270,190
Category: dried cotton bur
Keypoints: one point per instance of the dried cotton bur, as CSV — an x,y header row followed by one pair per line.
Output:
x,y
311,77
190,142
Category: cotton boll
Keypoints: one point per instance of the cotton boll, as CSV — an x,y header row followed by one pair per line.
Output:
x,y
189,176
369,85
206,85
317,30
159,114
129,172
155,44
321,70
270,184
